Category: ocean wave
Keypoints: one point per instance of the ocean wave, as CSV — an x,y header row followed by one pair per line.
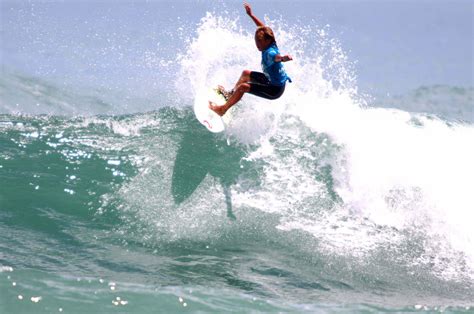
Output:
x,y
160,182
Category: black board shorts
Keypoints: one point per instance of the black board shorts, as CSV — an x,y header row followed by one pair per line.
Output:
x,y
260,86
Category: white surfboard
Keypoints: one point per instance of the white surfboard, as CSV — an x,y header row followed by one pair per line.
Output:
x,y
211,120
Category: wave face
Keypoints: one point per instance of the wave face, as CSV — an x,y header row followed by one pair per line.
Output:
x,y
313,202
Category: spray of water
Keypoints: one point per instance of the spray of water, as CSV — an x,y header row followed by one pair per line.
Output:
x,y
358,179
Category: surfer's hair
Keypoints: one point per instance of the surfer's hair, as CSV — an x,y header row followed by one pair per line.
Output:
x,y
267,33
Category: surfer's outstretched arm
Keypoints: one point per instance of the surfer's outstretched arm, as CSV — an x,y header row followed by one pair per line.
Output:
x,y
285,58
256,20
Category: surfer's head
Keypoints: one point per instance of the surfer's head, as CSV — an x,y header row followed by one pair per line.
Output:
x,y
264,37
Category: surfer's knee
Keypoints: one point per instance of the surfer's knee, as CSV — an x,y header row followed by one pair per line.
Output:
x,y
243,88
246,73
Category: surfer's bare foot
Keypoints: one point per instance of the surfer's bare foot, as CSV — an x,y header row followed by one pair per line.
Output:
x,y
220,110
224,92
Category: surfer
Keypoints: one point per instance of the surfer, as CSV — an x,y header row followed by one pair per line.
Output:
x,y
271,83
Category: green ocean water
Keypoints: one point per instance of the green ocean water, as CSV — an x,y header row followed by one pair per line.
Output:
x,y
144,213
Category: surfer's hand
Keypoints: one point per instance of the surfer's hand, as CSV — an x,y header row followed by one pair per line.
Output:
x,y
284,58
248,8
255,19
287,58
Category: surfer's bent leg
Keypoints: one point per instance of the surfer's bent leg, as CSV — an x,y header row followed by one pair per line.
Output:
x,y
244,78
239,91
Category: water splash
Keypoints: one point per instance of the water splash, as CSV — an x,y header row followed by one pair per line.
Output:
x,y
405,173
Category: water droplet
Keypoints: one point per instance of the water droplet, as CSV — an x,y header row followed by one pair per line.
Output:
x,y
6,269
113,162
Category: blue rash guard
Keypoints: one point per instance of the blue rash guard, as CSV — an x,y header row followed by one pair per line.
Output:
x,y
274,71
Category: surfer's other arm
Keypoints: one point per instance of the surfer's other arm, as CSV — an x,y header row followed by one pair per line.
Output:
x,y
285,58
256,20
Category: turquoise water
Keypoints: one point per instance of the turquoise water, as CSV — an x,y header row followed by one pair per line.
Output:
x,y
150,211
113,198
